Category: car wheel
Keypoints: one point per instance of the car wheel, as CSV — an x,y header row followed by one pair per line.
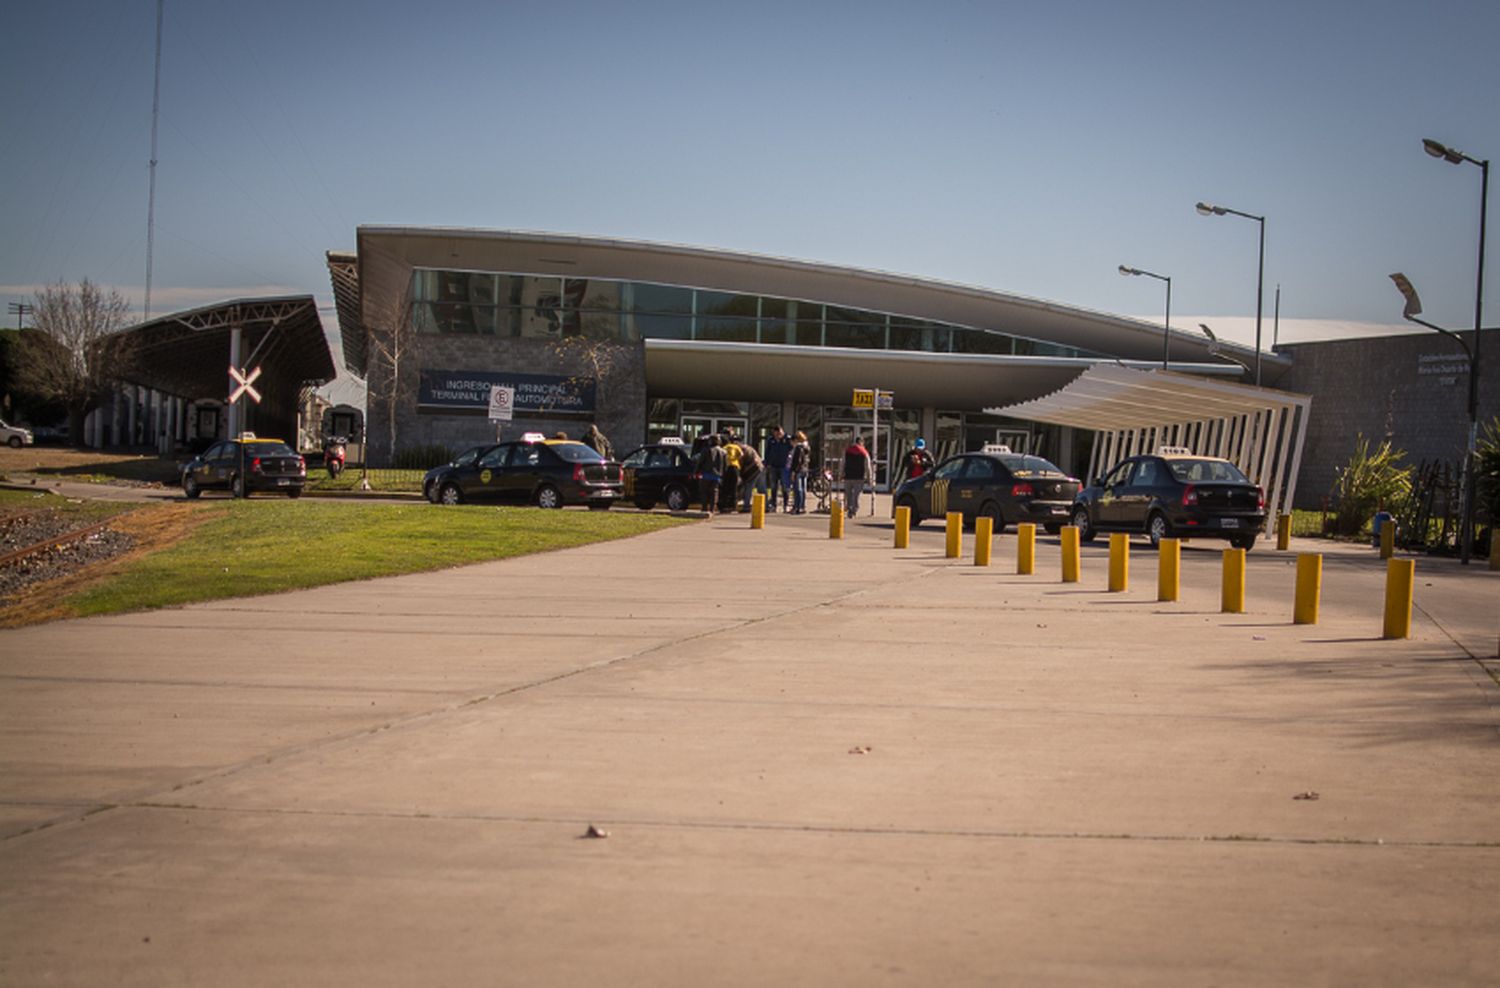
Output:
x,y
1157,529
1052,528
1085,526
237,485
1246,542
910,504
450,494
644,503
548,496
295,492
600,505
190,486
677,499
992,511
15,442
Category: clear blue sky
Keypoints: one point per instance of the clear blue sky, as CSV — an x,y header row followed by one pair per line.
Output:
x,y
1025,147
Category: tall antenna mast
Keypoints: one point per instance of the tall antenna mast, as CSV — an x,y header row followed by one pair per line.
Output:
x,y
151,199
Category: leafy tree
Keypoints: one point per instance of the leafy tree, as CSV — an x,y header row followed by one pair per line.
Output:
x,y
1487,473
75,352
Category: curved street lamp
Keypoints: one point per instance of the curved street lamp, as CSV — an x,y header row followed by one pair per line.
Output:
x,y
1456,157
1208,209
1166,336
1215,351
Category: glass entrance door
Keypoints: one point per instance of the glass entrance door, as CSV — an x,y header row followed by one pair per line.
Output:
x,y
694,426
838,435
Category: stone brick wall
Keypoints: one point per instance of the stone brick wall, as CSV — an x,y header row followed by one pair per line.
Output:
x,y
620,393
1412,390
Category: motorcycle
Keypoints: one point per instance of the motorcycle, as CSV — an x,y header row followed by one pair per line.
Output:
x,y
333,455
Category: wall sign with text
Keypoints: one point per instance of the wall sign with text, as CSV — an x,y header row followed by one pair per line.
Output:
x,y
536,394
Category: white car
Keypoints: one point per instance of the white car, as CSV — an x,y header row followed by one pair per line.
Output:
x,y
15,436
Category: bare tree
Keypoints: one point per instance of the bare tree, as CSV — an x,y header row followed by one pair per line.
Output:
x,y
76,352
392,340
602,357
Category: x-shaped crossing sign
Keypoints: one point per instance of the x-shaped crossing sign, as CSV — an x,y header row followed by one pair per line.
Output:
x,y
244,381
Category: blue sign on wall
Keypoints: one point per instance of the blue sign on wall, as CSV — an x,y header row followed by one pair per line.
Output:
x,y
540,394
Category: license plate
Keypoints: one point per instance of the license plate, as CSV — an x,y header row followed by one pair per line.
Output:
x,y
282,482
1229,523
1059,511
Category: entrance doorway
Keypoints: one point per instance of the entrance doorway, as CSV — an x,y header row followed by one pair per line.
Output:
x,y
694,426
838,435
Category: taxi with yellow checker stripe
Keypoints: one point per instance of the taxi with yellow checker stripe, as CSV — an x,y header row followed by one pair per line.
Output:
x,y
994,482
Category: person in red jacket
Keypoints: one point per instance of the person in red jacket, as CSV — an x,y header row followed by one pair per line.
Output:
x,y
857,472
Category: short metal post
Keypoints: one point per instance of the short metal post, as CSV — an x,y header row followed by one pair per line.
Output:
x,y
903,527
1232,597
835,519
1309,588
1283,532
758,510
955,534
1025,549
984,537
1169,570
1119,562
1400,577
1070,554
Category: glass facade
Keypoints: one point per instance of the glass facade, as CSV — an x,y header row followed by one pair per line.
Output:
x,y
524,305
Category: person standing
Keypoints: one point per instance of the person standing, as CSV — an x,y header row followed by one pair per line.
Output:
x,y
595,440
752,474
778,468
798,463
857,471
919,460
729,495
710,466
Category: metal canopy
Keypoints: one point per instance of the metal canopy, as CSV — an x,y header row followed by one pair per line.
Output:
x,y
1131,411
186,354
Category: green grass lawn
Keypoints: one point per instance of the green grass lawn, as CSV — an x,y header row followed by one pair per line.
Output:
x,y
77,513
265,546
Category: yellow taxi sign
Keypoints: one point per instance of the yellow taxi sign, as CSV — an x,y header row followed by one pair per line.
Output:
x,y
863,398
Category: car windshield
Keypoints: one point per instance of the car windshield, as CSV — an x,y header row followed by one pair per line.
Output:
x,y
468,456
1206,471
1031,466
269,449
576,452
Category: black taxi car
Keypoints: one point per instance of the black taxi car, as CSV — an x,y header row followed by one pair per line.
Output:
x,y
1006,487
548,473
1172,493
245,465
660,472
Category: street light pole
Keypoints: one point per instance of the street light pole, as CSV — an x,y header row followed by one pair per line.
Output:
x,y
1208,209
1454,156
1166,336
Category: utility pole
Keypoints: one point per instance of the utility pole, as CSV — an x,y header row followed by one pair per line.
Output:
x,y
151,196
22,310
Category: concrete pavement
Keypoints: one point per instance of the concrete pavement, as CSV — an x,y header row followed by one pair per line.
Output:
x,y
817,763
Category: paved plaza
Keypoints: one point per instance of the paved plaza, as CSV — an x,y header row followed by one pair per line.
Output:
x,y
814,763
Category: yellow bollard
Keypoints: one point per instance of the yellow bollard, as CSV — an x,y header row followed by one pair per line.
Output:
x,y
1232,596
955,534
1309,588
758,510
1387,540
1169,569
903,527
1400,577
1070,554
984,538
1119,562
1025,549
1283,532
835,520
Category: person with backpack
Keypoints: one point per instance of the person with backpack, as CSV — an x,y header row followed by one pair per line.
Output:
x,y
919,460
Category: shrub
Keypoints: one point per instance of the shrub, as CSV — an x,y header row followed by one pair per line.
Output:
x,y
421,457
1369,481
1487,473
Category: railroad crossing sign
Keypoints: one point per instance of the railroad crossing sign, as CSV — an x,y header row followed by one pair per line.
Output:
x,y
502,402
244,381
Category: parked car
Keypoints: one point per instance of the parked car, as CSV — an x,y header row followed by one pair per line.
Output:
x,y
660,472
996,483
549,473
1173,493
246,465
15,436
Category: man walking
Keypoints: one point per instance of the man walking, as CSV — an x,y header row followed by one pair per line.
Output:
x,y
857,471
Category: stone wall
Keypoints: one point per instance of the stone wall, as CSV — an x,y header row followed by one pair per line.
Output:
x,y
1412,390
620,392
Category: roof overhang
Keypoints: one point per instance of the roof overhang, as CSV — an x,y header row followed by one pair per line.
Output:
x,y
387,255
766,371
1109,397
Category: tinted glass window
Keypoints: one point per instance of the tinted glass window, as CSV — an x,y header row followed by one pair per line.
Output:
x,y
950,469
1120,474
637,459
1150,474
981,468
575,452
1031,466
468,456
1199,471
494,459
268,449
